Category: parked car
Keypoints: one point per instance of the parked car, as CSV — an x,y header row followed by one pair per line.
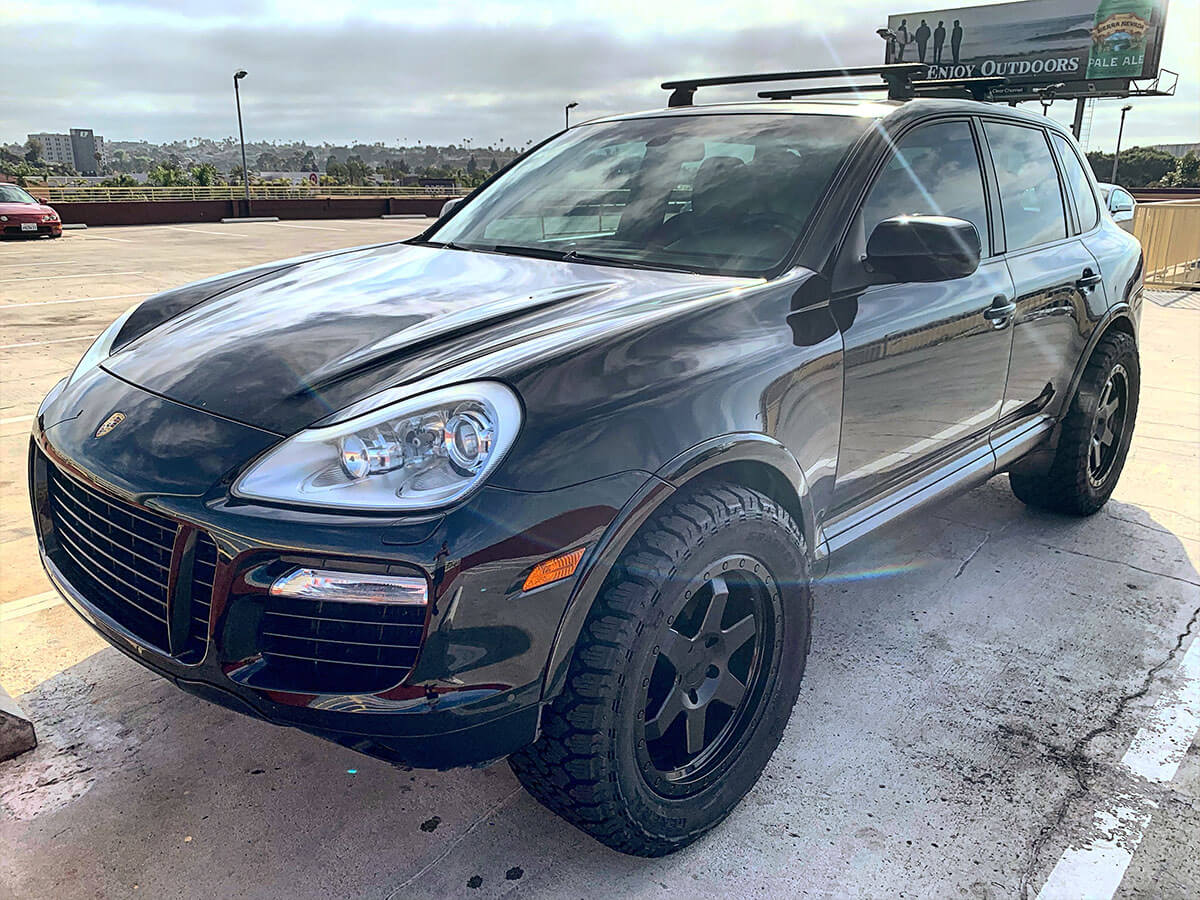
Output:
x,y
1119,203
23,216
553,481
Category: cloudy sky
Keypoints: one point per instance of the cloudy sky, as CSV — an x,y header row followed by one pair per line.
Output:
x,y
440,71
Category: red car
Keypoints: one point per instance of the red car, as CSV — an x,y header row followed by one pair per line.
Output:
x,y
22,215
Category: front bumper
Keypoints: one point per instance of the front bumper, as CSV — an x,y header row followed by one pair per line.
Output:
x,y
468,693
12,228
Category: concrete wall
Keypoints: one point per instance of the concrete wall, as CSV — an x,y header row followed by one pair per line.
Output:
x,y
163,212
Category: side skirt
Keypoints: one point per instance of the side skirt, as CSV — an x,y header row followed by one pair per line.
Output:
x,y
964,472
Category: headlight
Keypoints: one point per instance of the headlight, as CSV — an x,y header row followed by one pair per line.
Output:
x,y
419,453
101,347
50,217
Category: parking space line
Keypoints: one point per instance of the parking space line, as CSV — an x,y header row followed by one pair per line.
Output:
x,y
70,300
1096,869
313,227
203,231
15,609
90,337
13,420
98,237
62,277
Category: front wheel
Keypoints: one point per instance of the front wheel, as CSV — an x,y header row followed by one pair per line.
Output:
x,y
1096,434
683,678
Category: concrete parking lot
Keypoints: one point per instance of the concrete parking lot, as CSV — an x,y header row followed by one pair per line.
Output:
x,y
999,702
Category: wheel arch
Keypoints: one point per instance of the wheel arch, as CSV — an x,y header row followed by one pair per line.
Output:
x,y
750,458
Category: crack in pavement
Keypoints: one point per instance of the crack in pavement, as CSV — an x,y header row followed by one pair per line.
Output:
x,y
1077,760
1121,562
987,536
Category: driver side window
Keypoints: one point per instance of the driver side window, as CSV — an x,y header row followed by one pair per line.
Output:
x,y
933,170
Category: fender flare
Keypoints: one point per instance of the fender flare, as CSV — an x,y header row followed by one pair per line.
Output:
x,y
737,447
1117,311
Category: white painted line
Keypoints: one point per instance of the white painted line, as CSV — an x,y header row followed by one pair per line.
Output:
x,y
97,237
44,343
61,277
57,262
1096,869
1161,744
12,420
70,300
313,227
14,609
1094,872
203,231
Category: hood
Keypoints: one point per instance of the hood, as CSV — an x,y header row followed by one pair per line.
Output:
x,y
288,347
24,210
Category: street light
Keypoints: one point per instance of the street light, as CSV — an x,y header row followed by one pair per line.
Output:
x,y
1116,156
567,111
238,76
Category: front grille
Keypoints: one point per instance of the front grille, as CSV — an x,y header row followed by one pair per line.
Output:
x,y
336,647
118,555
204,573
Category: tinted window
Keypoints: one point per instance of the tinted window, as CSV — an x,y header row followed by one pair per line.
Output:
x,y
711,193
935,171
1081,188
1030,196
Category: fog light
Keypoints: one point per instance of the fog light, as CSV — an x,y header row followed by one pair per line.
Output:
x,y
351,587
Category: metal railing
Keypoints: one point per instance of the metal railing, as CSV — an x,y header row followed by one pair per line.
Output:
x,y
91,193
1170,236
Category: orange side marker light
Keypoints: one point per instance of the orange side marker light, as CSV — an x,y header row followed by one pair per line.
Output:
x,y
553,569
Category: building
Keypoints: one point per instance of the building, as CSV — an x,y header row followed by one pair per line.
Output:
x,y
78,149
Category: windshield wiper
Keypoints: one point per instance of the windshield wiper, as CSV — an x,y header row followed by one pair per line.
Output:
x,y
576,256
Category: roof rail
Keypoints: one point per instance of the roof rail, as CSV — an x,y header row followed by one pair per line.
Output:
x,y
897,76
975,88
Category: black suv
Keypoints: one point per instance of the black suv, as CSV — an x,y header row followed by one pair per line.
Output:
x,y
553,480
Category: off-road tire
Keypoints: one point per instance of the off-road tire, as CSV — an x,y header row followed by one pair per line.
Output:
x,y
1067,485
589,766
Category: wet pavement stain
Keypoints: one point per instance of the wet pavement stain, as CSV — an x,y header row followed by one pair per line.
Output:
x,y
514,873
431,824
474,882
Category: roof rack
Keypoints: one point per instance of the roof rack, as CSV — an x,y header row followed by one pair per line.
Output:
x,y
974,88
897,76
899,80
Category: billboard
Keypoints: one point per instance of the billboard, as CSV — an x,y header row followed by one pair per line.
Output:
x,y
1092,46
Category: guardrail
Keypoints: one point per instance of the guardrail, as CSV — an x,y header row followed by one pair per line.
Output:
x,y
93,194
1170,236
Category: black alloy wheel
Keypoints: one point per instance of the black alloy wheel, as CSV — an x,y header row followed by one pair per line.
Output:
x,y
706,675
1108,425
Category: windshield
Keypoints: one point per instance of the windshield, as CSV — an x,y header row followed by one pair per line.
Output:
x,y
10,193
725,194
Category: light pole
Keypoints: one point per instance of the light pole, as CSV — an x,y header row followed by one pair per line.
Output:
x,y
1117,156
238,76
567,112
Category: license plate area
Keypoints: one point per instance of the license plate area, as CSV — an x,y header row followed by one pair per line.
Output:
x,y
29,226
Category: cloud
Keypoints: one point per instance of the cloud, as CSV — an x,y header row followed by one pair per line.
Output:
x,y
434,73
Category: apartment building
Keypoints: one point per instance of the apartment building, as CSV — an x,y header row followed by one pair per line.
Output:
x,y
79,149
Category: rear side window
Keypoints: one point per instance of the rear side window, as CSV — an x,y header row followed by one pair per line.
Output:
x,y
933,171
1081,188
1030,197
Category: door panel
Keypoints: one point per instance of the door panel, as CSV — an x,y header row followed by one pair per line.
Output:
x,y
1051,325
924,366
924,373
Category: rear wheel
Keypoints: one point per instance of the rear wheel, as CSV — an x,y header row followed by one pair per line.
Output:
x,y
1096,434
683,678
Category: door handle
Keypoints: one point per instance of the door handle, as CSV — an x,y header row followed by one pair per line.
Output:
x,y
1087,280
1000,311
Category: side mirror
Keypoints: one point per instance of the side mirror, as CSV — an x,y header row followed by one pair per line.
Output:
x,y
448,206
42,200
924,248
